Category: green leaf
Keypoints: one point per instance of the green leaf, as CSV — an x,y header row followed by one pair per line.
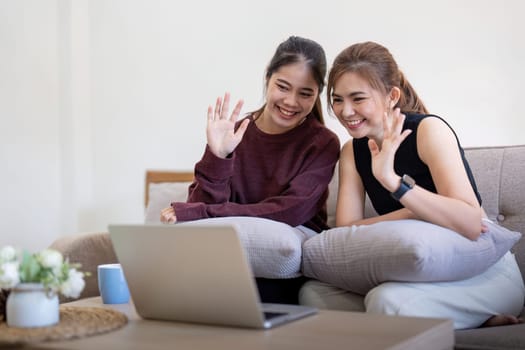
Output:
x,y
29,268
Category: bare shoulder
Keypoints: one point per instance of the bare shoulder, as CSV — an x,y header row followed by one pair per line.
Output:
x,y
347,155
435,128
348,148
346,160
435,137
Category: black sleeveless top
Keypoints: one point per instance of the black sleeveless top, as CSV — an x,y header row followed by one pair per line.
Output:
x,y
406,161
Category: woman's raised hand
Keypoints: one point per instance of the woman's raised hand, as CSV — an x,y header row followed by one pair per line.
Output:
x,y
383,155
220,130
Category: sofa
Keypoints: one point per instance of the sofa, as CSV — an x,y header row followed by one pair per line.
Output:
x,y
498,171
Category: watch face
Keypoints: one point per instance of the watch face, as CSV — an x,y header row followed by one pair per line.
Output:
x,y
410,182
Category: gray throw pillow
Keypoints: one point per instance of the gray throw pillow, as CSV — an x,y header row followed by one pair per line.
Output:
x,y
274,249
359,258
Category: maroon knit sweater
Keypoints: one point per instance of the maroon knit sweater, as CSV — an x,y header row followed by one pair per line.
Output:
x,y
281,177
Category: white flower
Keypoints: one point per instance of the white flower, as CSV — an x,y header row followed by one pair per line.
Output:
x,y
73,285
7,253
47,267
9,276
50,258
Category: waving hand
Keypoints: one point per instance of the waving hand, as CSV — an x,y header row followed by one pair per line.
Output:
x,y
383,155
220,130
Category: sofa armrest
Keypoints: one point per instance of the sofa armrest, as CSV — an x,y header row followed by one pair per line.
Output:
x,y
89,250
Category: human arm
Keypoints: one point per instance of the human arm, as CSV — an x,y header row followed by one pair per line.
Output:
x,y
222,138
214,170
351,195
293,190
455,205
212,182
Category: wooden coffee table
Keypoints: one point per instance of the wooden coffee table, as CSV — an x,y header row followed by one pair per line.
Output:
x,y
324,331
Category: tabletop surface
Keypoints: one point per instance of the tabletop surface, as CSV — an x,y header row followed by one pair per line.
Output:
x,y
325,330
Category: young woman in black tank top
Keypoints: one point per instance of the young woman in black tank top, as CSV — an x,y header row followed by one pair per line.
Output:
x,y
410,163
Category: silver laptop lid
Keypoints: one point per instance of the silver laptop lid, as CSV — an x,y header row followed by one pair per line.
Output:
x,y
188,273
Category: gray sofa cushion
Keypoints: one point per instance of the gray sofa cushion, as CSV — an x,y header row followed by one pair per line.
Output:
x,y
89,250
499,172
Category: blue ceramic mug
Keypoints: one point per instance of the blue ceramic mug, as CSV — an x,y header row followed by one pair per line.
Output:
x,y
112,284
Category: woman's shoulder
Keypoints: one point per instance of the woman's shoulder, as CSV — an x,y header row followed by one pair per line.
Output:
x,y
427,123
423,123
414,119
348,147
319,131
418,118
313,123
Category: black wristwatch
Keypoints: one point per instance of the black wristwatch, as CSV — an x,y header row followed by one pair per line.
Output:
x,y
407,183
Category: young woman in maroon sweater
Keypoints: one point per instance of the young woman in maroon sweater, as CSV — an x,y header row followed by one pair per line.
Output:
x,y
277,162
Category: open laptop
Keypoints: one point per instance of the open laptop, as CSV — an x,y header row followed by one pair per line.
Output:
x,y
195,274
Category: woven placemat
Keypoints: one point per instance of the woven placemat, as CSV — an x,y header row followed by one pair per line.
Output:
x,y
75,322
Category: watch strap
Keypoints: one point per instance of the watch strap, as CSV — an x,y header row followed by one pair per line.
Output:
x,y
407,183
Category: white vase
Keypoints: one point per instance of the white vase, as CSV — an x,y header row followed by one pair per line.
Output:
x,y
30,305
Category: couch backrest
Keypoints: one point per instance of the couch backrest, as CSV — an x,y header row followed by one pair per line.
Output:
x,y
500,176
499,173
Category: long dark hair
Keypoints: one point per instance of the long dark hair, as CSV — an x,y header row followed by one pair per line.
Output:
x,y
296,49
375,64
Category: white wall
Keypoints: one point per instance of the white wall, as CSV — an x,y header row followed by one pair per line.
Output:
x,y
93,93
30,144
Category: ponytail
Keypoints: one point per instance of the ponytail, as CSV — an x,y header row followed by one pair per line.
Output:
x,y
409,101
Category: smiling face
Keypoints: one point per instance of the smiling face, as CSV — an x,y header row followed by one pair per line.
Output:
x,y
290,97
359,107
